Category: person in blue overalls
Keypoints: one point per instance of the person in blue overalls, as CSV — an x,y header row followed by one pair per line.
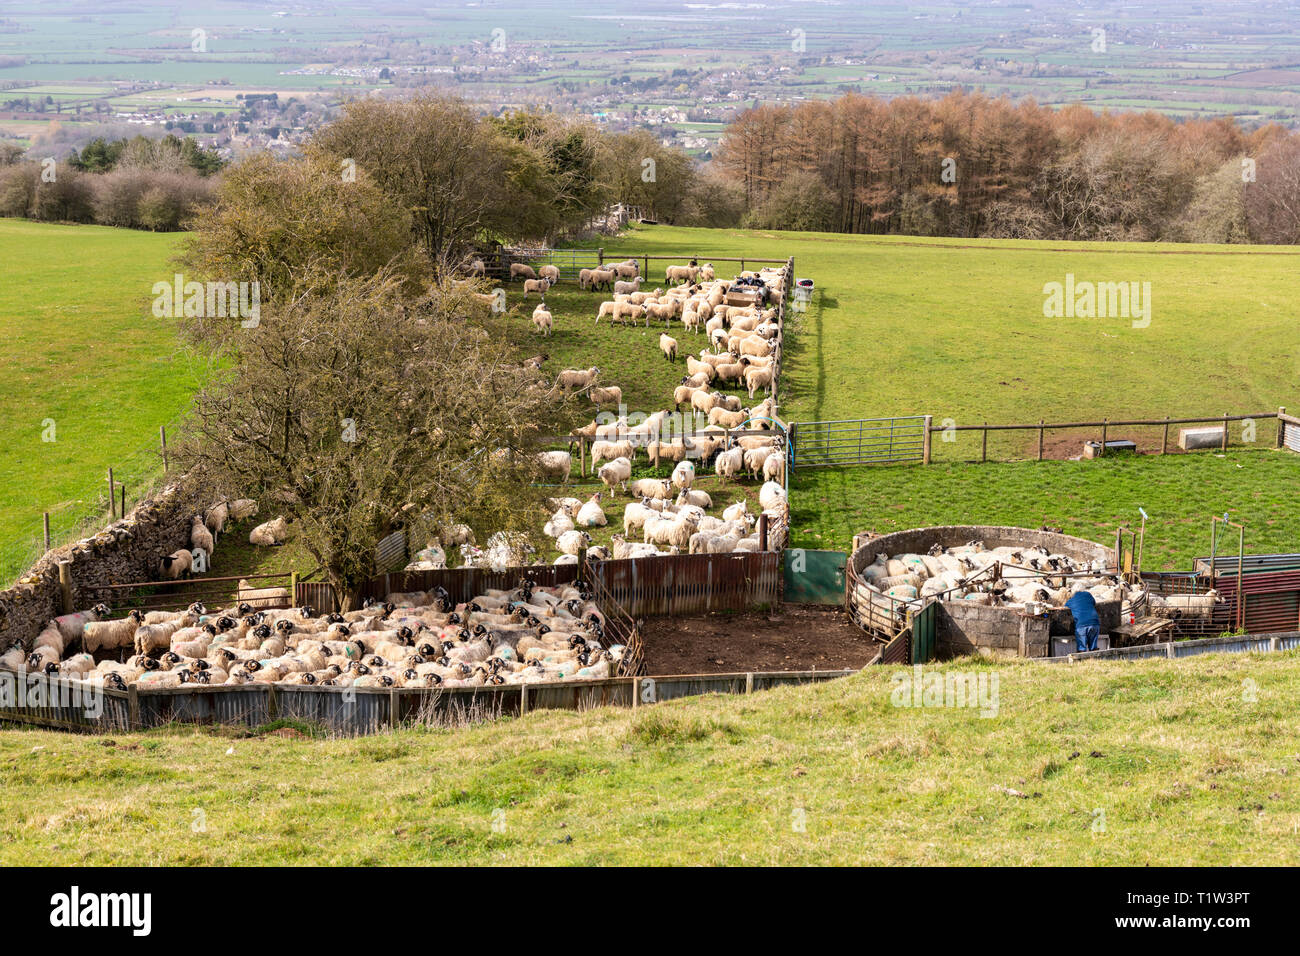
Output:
x,y
1087,623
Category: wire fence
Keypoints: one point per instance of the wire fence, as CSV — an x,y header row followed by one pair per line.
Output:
x,y
134,476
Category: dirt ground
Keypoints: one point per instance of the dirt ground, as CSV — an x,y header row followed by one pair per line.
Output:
x,y
795,637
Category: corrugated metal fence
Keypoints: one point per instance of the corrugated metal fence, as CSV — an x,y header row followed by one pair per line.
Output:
x,y
1253,643
38,700
692,583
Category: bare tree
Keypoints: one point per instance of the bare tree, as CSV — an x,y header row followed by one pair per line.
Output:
x,y
356,412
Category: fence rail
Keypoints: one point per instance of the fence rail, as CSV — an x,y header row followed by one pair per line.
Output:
x,y
1232,644
38,700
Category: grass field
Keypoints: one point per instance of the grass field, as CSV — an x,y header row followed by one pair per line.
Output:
x,y
80,350
1087,498
902,325
1151,763
954,328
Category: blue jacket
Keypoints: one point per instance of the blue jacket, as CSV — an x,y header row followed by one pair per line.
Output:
x,y
1084,609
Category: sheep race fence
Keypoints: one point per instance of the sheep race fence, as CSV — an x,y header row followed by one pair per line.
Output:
x,y
35,699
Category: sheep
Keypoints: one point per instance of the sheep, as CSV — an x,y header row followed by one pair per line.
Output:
x,y
624,549
635,514
609,395
584,278
668,345
560,522
520,270
774,467
477,269
681,273
215,518
700,499
656,488
609,450
720,416
175,565
201,536
615,473
263,597
731,371
675,531
772,496
598,278
242,508
71,625
574,380
627,288
550,273
626,269
658,451
706,272
695,367
572,542
543,319
737,512
660,310
683,393
111,634
148,638
684,475
605,309
629,310
269,534
1200,606
591,514
730,463
539,286
556,464
691,320
757,377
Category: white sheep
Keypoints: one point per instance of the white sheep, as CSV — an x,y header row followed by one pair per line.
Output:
x,y
729,463
591,514
243,508
200,536
520,270
539,286
772,496
215,517
269,533
542,319
175,565
556,464
575,380
608,395
656,488
609,450
696,497
684,475
616,473
672,530
550,273
668,345
627,288
572,542
560,523
774,467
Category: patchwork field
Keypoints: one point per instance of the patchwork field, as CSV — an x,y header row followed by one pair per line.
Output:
x,y
1157,763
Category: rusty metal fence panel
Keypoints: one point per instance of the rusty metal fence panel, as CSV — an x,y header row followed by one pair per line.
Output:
x,y
230,705
30,697
692,583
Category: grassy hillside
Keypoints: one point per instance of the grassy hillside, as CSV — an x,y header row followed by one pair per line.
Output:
x,y
79,347
1150,763
955,328
1087,498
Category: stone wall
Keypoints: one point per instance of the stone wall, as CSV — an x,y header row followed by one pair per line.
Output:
x,y
124,552
964,627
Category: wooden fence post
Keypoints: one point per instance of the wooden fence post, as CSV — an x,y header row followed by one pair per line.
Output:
x,y
600,256
162,437
47,531
984,446
65,586
1040,439
111,503
523,699
1105,423
925,442
1164,442
582,457
1281,426
122,510
1224,444
132,706
762,531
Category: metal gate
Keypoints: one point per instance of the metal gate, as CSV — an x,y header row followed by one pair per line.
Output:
x,y
924,633
866,441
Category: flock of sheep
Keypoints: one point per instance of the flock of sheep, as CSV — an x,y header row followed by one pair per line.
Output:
x,y
207,527
669,513
1029,578
528,634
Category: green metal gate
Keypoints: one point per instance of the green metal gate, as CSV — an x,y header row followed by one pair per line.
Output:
x,y
814,577
924,631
